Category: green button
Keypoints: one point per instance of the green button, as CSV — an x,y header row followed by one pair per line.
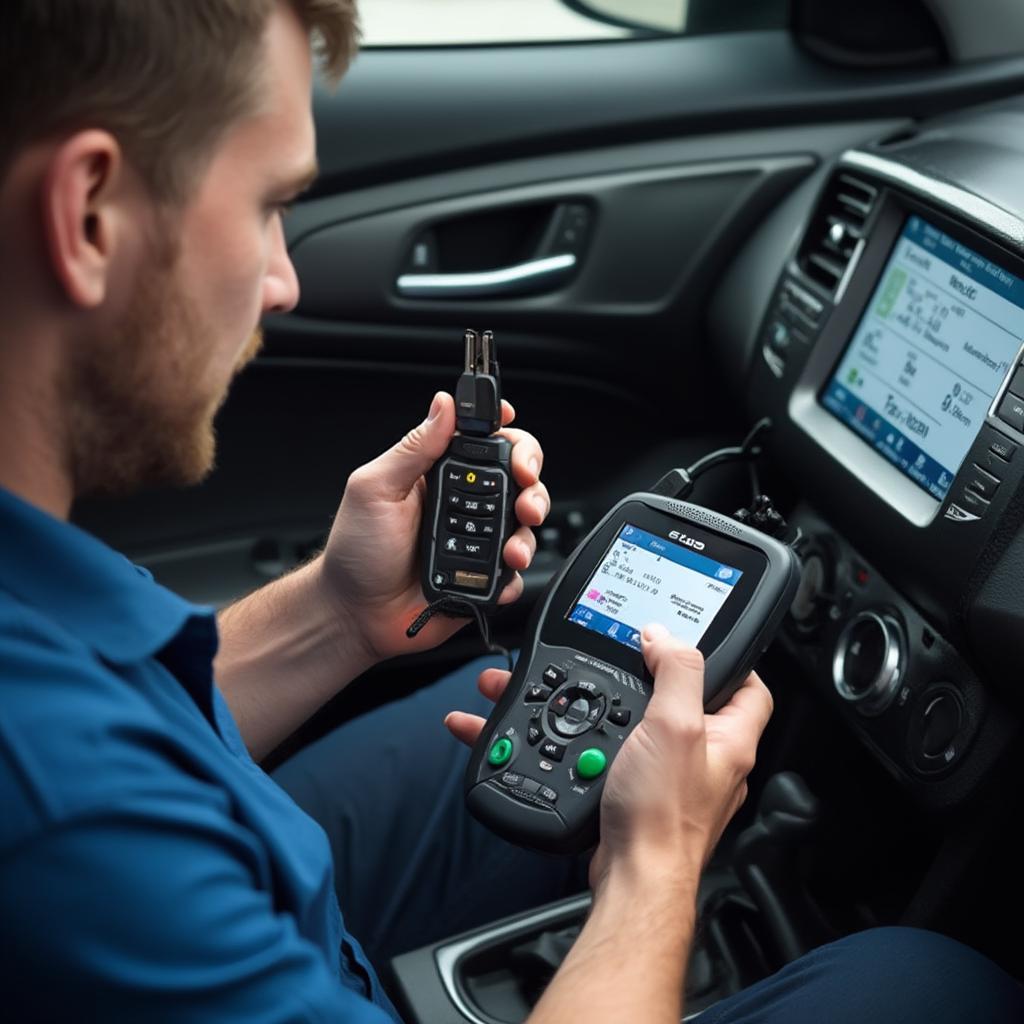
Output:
x,y
591,763
500,752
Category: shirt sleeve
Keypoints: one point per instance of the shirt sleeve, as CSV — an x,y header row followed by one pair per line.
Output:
x,y
149,910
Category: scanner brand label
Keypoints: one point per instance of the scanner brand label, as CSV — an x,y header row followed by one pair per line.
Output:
x,y
690,542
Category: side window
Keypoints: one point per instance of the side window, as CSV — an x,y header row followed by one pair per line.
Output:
x,y
392,23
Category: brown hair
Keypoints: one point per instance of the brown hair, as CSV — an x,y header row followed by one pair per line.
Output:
x,y
166,77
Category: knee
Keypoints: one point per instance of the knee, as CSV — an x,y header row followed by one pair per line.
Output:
x,y
885,976
897,973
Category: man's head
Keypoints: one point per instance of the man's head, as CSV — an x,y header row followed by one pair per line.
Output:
x,y
146,152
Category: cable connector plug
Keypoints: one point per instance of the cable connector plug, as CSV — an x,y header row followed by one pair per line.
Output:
x,y
762,515
676,483
478,391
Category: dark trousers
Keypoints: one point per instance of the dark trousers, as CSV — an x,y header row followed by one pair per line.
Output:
x,y
412,867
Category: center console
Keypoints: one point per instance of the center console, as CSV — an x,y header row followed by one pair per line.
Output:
x,y
890,361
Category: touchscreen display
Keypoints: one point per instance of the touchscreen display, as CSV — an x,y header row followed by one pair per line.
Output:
x,y
938,335
643,579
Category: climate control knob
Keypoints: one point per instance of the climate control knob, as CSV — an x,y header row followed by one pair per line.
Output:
x,y
869,661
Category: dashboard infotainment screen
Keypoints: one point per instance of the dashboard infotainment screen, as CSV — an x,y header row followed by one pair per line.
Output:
x,y
936,340
642,579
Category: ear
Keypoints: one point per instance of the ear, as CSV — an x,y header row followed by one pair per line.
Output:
x,y
81,193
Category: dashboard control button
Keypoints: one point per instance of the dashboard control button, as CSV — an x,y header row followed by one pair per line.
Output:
x,y
993,464
868,663
1011,410
974,502
1002,448
1017,384
816,594
779,338
942,721
981,482
938,729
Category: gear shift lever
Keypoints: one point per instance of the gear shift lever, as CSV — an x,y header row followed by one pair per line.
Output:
x,y
765,862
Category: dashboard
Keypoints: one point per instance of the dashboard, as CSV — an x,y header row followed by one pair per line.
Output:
x,y
889,358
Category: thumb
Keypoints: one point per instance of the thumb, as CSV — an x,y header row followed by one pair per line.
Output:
x,y
402,465
678,672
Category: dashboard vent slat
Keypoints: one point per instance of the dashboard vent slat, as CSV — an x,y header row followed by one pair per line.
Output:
x,y
836,229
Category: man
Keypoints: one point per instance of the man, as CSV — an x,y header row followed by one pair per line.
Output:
x,y
148,869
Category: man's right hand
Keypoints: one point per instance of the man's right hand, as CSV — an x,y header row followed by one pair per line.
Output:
x,y
679,778
681,774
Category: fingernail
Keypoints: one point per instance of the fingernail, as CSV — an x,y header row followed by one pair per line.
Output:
x,y
654,631
446,717
435,408
534,466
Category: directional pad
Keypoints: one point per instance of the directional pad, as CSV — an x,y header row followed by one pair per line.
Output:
x,y
575,709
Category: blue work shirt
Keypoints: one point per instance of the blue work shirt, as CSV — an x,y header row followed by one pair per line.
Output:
x,y
149,869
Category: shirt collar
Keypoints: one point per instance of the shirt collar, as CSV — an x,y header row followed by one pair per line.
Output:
x,y
94,592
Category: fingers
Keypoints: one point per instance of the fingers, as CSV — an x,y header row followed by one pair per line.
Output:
x,y
513,590
463,727
520,548
466,727
397,471
744,719
508,413
527,456
492,683
678,673
533,505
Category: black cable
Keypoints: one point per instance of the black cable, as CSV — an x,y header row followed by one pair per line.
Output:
x,y
678,483
456,608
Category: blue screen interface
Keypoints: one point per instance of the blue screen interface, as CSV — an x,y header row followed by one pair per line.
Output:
x,y
644,578
939,334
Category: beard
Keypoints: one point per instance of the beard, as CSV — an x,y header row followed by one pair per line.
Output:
x,y
139,402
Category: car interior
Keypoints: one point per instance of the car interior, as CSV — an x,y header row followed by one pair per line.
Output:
x,y
673,236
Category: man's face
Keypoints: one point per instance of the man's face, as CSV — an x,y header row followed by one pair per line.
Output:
x,y
144,396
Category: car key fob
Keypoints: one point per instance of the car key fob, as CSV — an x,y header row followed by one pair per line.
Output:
x,y
469,512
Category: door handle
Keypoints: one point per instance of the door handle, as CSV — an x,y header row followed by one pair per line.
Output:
x,y
520,279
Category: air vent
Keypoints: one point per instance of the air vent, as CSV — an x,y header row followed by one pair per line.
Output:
x,y
836,231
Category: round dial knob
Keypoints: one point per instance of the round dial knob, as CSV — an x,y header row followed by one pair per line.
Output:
x,y
814,595
868,663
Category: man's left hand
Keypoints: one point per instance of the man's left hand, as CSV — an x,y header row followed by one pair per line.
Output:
x,y
370,565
